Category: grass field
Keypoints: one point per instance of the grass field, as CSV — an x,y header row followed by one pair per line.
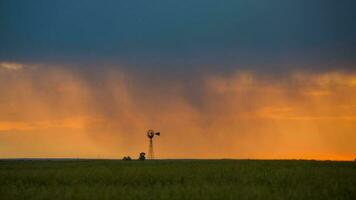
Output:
x,y
177,179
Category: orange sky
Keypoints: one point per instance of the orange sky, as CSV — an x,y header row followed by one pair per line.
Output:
x,y
51,111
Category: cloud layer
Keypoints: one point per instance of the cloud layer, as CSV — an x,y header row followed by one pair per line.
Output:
x,y
221,35
53,111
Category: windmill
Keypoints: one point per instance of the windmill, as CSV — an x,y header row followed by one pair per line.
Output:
x,y
150,135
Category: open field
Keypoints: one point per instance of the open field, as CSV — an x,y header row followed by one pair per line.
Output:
x,y
177,179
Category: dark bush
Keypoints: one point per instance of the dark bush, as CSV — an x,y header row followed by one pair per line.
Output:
x,y
142,156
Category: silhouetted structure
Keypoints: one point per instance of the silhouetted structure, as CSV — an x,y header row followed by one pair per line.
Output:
x,y
126,158
142,156
150,135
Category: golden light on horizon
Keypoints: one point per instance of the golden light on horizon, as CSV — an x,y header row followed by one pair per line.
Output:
x,y
57,112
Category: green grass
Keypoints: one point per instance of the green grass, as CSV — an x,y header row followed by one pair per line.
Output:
x,y
177,179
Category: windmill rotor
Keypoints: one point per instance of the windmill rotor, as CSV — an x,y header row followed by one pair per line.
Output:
x,y
150,133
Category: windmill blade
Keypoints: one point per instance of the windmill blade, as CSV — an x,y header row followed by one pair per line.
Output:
x,y
158,133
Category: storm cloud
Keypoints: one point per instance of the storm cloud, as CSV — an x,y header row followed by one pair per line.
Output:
x,y
213,35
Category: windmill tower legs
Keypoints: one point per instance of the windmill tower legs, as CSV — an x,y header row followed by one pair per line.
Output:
x,y
150,150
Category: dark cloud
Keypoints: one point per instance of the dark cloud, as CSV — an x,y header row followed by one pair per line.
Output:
x,y
181,35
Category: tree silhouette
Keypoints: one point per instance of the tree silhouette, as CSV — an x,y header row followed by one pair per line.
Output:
x,y
142,156
127,158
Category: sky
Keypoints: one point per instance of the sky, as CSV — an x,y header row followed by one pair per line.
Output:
x,y
219,79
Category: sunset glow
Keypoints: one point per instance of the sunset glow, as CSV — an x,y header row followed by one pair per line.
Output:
x,y
240,115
